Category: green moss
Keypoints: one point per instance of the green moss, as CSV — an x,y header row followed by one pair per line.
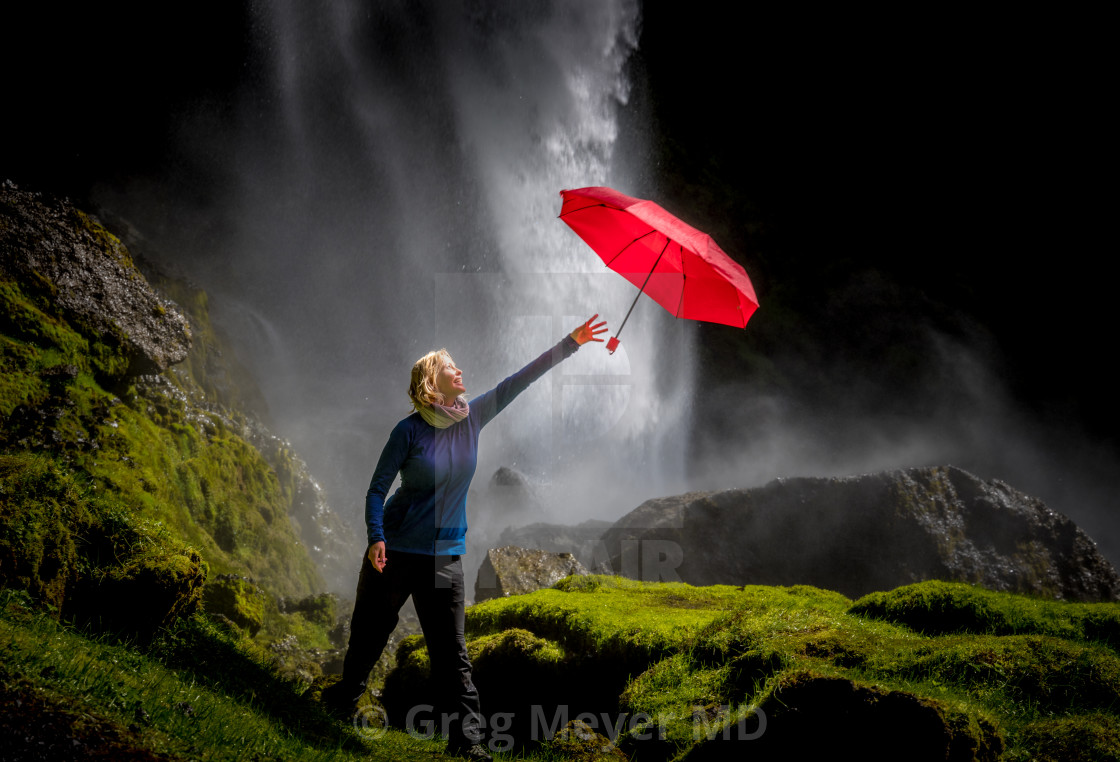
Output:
x,y
237,599
157,451
303,626
613,617
1034,673
320,609
936,607
215,491
145,448
40,506
708,667
579,741
87,558
1074,738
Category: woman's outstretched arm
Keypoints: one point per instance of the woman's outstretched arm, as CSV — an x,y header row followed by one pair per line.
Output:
x,y
491,403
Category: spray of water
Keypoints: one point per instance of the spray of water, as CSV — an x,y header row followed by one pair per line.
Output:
x,y
392,176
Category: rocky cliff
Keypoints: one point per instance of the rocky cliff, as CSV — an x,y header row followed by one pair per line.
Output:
x,y
864,533
128,473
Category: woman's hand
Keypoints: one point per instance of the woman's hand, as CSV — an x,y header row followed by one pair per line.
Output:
x,y
588,332
376,555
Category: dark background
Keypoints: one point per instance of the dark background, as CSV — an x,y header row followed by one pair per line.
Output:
x,y
960,158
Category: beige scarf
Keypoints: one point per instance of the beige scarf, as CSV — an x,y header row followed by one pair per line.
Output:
x,y
442,416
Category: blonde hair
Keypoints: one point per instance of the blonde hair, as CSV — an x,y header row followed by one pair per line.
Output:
x,y
422,388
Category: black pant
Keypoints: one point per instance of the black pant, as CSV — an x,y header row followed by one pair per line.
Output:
x,y
436,586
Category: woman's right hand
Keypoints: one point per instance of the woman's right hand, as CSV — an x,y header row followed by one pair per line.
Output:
x,y
376,555
588,332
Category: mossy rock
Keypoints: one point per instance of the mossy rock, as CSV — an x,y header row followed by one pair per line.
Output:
x,y
938,608
808,714
320,609
580,742
40,505
86,557
524,678
148,593
166,446
237,599
796,672
140,577
408,684
48,239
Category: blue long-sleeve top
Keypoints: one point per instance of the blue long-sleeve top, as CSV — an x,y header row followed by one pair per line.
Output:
x,y
428,512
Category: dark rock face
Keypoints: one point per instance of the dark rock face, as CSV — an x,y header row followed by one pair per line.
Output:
x,y
862,534
91,276
513,571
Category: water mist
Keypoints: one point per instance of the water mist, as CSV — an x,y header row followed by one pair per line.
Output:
x,y
392,178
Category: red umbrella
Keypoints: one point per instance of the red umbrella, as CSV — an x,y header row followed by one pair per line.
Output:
x,y
682,269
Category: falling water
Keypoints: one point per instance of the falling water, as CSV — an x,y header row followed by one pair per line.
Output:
x,y
393,186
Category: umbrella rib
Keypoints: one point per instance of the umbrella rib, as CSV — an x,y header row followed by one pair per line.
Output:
x,y
618,253
564,214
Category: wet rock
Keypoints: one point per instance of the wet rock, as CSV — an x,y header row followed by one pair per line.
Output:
x,y
864,533
513,571
72,260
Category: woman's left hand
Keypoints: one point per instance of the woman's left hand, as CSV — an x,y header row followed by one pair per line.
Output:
x,y
588,332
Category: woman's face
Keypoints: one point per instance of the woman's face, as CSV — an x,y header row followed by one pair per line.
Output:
x,y
449,382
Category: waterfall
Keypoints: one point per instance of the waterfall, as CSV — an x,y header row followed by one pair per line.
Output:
x,y
394,174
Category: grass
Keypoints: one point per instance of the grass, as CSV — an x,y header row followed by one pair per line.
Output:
x,y
197,693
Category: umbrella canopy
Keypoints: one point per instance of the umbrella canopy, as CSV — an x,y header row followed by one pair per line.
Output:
x,y
681,268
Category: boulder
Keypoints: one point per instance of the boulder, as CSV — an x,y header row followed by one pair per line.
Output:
x,y
85,270
865,533
512,571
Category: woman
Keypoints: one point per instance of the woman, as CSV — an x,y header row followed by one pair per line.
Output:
x,y
418,535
